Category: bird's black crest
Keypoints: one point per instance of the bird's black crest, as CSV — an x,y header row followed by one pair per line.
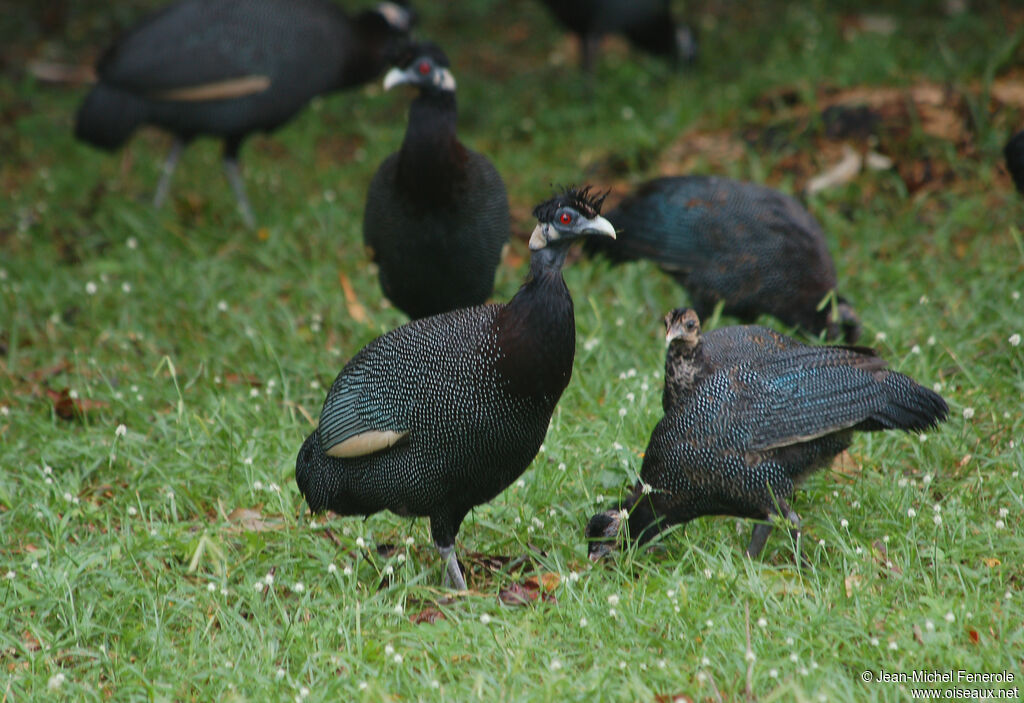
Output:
x,y
415,50
587,202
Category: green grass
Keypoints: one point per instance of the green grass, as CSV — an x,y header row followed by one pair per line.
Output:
x,y
131,573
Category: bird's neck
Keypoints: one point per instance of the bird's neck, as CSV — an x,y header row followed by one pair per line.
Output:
x,y
432,162
537,329
684,367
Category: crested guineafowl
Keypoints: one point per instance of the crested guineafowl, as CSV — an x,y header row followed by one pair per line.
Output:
x,y
752,247
442,414
228,68
748,420
647,24
436,217
1014,153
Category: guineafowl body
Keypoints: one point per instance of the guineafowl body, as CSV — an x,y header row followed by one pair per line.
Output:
x,y
647,24
755,422
754,248
436,217
1014,153
228,68
443,413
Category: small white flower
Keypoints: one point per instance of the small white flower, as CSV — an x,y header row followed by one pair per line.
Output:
x,y
1003,512
821,543
937,519
880,336
885,539
9,575
645,488
1000,524
616,446
257,485
269,579
132,243
258,586
1014,340
662,663
279,674
360,542
844,523
211,587
627,113
708,573
750,657
388,570
583,622
521,483
56,681
922,437
573,576
762,622
132,511
555,665
613,600
916,349
222,305
923,300
704,661
561,466
303,692
968,413
332,569
121,430
347,571
90,288
254,392
794,658
485,619
613,613
893,646
299,587
911,512
937,508
902,483
409,541
434,683
622,412
950,617
630,397
1008,595
363,685
773,673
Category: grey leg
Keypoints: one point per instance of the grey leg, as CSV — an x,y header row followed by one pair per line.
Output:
x,y
757,539
453,574
166,171
234,174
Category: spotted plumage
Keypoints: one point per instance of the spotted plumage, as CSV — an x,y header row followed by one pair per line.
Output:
x,y
436,217
753,248
443,413
228,68
755,415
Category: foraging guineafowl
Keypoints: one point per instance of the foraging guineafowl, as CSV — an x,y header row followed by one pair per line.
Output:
x,y
443,413
746,422
752,247
647,24
436,215
228,68
1014,153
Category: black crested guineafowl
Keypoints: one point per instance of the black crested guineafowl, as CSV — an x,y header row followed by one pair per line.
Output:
x,y
748,421
228,68
647,24
436,217
754,248
1014,153
443,413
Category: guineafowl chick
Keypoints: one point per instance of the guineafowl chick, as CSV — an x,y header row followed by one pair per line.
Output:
x,y
757,421
443,413
228,68
754,248
1014,153
647,24
436,217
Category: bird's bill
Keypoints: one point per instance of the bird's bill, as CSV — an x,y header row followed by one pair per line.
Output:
x,y
545,233
597,227
396,76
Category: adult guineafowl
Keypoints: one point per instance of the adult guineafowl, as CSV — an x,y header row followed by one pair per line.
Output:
x,y
228,68
747,422
436,215
754,248
647,24
443,413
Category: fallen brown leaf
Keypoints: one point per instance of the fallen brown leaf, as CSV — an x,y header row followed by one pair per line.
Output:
x,y
355,308
68,408
427,615
252,520
852,583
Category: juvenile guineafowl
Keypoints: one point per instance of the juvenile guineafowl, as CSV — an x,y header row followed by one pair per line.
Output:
x,y
443,413
228,68
746,423
752,247
647,24
436,216
1014,153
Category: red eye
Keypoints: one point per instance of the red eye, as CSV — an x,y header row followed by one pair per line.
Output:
x,y
423,68
565,218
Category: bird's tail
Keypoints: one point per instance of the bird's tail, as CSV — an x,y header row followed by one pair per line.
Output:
x,y
911,407
108,117
306,465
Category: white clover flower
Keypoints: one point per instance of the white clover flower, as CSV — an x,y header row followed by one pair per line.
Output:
x,y
762,622
360,542
5,411
794,658
332,569
627,113
9,575
363,685
399,609
258,586
662,663
388,570
704,661
893,646
561,466
773,673
937,386
789,641
968,413
121,430
646,488
269,579
750,656
916,349
950,617
1014,340
1003,512
613,613
937,508
880,336
279,674
885,539
56,681
613,600
347,571
485,619
622,412
911,512
929,626
409,541
1008,595
844,523
434,683
222,305
90,288
211,587
630,397
573,577
257,485
132,511
583,622
708,574
555,665
937,519
1000,524
400,558
299,587
303,692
